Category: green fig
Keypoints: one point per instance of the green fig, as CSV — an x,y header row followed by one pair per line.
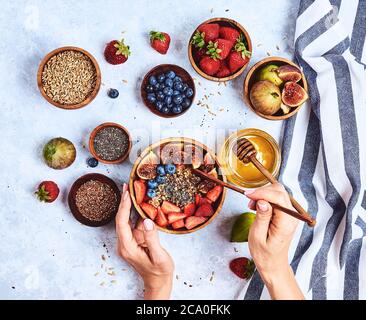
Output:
x,y
241,227
269,73
265,97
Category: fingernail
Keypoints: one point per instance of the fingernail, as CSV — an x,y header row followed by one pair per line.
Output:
x,y
148,225
251,203
249,191
125,195
124,188
262,206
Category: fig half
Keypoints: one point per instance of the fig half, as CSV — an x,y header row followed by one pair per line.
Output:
x,y
293,94
194,154
147,167
289,73
265,97
269,73
59,153
171,153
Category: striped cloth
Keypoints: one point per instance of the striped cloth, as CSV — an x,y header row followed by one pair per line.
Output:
x,y
324,155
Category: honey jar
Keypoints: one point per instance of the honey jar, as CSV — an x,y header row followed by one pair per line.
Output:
x,y
246,174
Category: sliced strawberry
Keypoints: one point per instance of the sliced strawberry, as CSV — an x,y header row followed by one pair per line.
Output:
x,y
189,209
175,216
193,221
242,267
205,210
229,33
209,65
204,201
178,224
161,219
197,199
149,209
210,30
214,193
168,207
140,191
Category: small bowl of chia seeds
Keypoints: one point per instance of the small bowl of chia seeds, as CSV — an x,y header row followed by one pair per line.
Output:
x,y
110,143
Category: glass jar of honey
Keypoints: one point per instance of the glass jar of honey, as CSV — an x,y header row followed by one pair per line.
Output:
x,y
246,174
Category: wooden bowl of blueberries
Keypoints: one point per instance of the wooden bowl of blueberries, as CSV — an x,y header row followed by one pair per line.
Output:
x,y
168,90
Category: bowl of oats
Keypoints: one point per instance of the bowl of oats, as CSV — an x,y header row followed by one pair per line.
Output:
x,y
69,78
164,188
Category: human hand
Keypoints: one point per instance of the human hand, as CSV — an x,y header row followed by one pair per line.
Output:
x,y
141,248
269,240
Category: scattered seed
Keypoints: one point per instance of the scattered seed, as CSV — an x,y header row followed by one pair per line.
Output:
x,y
124,81
113,281
103,257
111,273
95,274
102,284
278,48
176,277
268,54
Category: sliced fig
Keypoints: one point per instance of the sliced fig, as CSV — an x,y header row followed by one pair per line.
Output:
x,y
293,94
194,155
289,73
170,152
285,109
208,163
147,167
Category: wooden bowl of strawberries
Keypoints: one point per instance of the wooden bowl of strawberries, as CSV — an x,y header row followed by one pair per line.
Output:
x,y
220,49
164,189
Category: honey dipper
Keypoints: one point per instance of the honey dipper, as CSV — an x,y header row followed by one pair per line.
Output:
x,y
246,153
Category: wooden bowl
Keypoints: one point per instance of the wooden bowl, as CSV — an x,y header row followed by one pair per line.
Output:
x,y
91,96
163,68
72,195
250,79
133,176
222,22
91,143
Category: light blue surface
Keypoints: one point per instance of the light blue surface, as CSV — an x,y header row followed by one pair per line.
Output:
x,y
45,252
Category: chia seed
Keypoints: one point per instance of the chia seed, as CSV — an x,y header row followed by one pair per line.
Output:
x,y
111,143
96,201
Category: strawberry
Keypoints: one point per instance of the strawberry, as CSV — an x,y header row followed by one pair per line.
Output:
x,y
214,193
209,31
197,199
167,207
47,191
160,41
229,33
149,209
161,219
209,65
199,54
242,267
178,224
219,49
140,191
205,210
116,52
189,209
224,70
204,201
175,216
192,222
239,57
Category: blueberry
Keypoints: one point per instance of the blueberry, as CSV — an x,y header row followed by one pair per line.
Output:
x,y
183,96
185,87
165,110
161,78
153,81
170,106
160,170
170,168
159,105
168,91
169,82
151,97
113,93
160,96
170,74
177,79
149,88
160,179
168,100
186,103
178,86
151,193
189,92
177,109
92,162
177,99
176,93
152,184
162,86
156,87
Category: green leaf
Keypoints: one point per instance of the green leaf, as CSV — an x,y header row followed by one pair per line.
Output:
x,y
241,227
122,48
198,39
156,35
213,51
241,47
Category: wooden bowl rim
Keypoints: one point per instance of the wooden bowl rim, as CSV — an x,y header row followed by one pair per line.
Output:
x,y
91,96
72,204
237,73
155,70
106,125
251,73
154,146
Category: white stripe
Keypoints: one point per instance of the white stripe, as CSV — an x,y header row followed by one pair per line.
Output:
x,y
361,272
347,14
363,58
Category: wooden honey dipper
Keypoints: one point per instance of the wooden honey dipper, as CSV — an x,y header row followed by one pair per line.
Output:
x,y
246,153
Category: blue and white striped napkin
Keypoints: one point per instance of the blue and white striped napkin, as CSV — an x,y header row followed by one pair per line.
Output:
x,y
324,152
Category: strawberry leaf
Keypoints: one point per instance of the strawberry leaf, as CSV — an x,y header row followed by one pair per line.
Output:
x,y
42,194
156,35
213,51
122,48
241,47
198,39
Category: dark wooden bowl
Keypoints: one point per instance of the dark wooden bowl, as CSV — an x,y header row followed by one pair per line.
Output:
x,y
133,176
250,79
72,195
91,143
227,23
163,68
91,96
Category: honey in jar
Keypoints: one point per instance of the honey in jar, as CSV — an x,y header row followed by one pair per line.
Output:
x,y
246,174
